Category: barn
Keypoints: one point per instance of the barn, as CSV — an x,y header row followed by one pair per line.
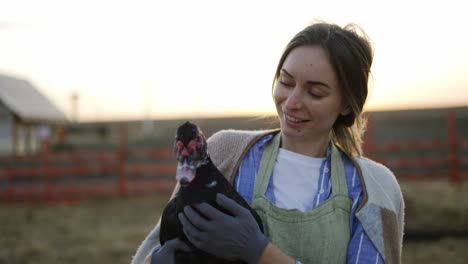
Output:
x,y
27,118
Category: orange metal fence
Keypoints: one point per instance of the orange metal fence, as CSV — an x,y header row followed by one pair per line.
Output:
x,y
438,159
451,166
73,176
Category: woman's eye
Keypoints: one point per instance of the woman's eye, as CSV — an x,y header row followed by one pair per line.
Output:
x,y
315,95
286,84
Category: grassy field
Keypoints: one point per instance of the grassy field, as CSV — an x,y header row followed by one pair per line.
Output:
x,y
93,231
110,230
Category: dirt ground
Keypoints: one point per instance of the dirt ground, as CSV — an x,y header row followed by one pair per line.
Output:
x,y
108,230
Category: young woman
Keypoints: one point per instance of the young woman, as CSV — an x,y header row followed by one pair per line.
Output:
x,y
320,200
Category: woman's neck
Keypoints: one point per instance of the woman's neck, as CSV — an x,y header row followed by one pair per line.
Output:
x,y
313,147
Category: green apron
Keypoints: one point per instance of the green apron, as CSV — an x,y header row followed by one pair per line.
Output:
x,y
320,235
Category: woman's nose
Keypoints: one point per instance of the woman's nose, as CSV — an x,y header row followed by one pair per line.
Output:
x,y
294,100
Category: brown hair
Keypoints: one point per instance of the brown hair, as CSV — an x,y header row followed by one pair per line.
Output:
x,y
350,54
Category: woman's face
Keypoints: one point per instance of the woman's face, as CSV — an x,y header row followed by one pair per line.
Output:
x,y
307,96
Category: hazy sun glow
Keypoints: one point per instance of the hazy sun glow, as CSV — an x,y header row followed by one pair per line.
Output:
x,y
134,59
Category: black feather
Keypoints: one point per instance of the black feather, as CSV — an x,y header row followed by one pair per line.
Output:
x,y
198,191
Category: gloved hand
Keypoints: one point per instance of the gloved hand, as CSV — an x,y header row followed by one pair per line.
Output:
x,y
166,253
236,237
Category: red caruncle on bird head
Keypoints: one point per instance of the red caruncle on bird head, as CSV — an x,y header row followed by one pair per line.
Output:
x,y
191,151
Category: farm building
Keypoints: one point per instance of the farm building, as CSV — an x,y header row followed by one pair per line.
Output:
x,y
27,117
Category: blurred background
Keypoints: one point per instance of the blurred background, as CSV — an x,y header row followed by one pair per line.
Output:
x,y
91,93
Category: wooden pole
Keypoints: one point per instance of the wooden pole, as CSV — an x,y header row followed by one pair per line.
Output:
x,y
14,142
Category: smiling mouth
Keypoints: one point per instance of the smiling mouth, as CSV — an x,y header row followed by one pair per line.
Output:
x,y
292,119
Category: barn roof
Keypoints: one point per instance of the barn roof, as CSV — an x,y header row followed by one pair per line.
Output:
x,y
28,103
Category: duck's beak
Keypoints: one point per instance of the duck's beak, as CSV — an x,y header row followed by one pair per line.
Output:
x,y
185,174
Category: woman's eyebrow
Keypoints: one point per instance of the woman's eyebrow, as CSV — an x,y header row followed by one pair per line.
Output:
x,y
286,72
308,82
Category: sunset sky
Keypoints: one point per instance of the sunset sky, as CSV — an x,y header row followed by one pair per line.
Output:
x,y
164,59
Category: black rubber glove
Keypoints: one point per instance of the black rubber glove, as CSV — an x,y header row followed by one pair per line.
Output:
x,y
165,255
236,237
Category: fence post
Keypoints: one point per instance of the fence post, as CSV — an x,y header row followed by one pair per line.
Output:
x,y
121,157
47,195
453,147
10,190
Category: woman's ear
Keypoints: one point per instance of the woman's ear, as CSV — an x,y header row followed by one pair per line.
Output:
x,y
346,110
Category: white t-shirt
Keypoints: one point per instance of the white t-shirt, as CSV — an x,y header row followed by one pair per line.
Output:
x,y
295,180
